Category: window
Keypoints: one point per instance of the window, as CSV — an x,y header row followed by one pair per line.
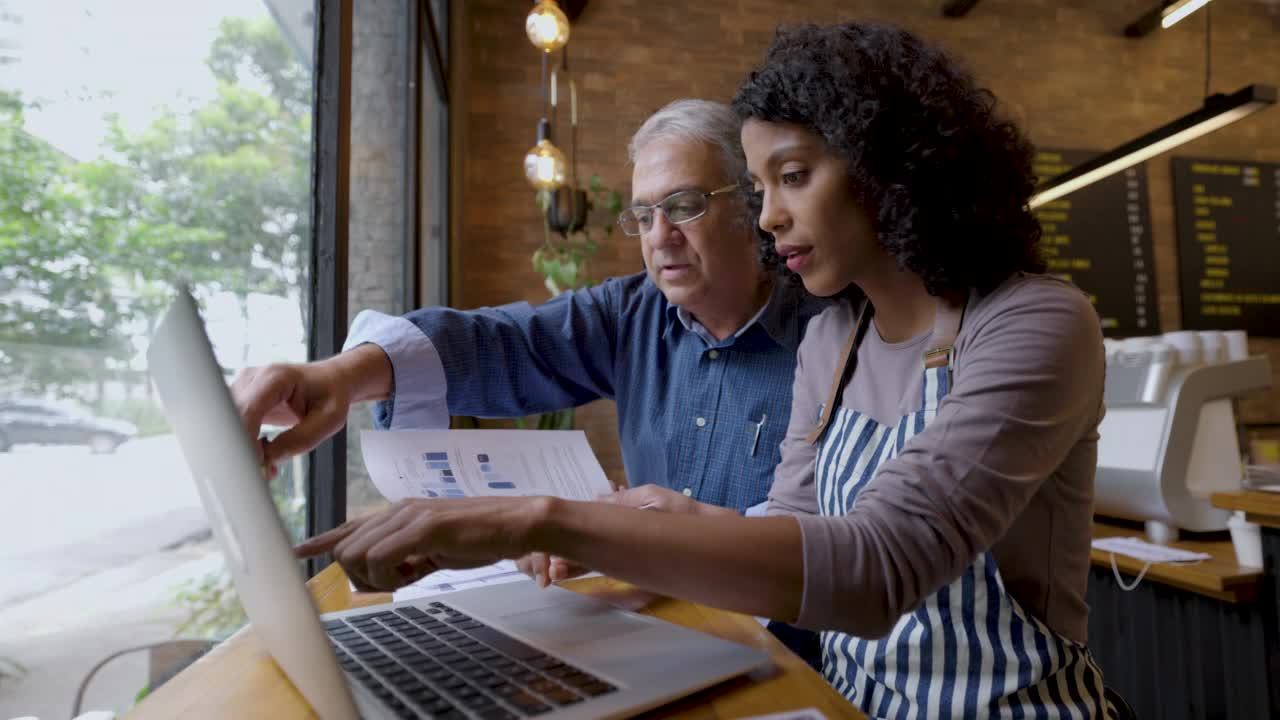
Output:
x,y
141,142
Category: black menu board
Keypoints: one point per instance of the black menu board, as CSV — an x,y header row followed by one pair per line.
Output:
x,y
1099,237
1228,219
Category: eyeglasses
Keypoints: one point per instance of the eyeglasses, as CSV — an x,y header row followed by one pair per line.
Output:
x,y
679,208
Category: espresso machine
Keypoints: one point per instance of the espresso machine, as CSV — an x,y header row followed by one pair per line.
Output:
x,y
1169,437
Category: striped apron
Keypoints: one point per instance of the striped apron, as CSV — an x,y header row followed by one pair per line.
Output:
x,y
970,650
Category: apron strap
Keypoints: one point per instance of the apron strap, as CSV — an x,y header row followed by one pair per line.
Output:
x,y
848,359
946,325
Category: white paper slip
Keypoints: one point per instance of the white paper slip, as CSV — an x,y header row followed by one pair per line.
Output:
x,y
444,581
805,714
1147,552
475,463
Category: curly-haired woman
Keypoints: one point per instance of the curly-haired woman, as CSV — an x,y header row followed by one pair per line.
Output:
x,y
931,515
944,488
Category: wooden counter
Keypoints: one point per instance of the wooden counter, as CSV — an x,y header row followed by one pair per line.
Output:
x,y
238,679
1220,577
1259,506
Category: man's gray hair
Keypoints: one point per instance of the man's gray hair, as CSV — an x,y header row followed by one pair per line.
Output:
x,y
700,120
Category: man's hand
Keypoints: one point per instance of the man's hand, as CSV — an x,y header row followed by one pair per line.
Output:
x,y
413,538
653,497
312,400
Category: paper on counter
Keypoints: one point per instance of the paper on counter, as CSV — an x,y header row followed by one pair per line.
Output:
x,y
445,581
1147,552
478,463
805,714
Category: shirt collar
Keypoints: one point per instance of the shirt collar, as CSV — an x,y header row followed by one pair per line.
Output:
x,y
779,317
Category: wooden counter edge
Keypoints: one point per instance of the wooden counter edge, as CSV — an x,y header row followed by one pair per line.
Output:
x,y
1260,507
1220,577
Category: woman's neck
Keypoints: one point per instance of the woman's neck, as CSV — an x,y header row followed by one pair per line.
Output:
x,y
904,309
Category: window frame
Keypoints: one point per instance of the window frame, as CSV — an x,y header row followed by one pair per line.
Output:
x,y
326,480
330,185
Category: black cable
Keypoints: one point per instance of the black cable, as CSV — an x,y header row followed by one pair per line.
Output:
x,y
544,84
1208,41
573,124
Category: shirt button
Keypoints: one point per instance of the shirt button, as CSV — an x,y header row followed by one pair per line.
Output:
x,y
713,354
700,422
687,492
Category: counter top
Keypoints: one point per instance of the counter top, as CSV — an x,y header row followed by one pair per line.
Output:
x,y
1220,577
1259,506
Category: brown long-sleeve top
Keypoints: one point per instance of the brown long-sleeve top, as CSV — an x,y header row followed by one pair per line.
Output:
x,y
1006,465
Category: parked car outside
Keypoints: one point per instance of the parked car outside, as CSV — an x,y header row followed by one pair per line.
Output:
x,y
48,423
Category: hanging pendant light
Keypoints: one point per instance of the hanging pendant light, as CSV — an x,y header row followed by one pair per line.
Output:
x,y
547,26
544,164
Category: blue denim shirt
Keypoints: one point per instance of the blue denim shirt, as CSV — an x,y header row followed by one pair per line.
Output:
x,y
688,405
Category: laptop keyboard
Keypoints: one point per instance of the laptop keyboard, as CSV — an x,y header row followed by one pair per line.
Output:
x,y
442,663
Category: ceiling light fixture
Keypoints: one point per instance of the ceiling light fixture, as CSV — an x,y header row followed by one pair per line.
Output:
x,y
544,164
1178,10
547,26
1218,110
1164,14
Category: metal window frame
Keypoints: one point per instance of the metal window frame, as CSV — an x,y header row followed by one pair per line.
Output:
x,y
330,214
410,241
330,220
423,37
434,185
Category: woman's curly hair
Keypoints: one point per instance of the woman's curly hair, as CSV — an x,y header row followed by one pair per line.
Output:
x,y
944,179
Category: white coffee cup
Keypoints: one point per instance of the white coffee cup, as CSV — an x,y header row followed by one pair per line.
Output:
x,y
1246,538
1237,342
1187,343
1213,347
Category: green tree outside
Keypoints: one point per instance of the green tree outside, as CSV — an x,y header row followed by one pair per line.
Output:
x,y
219,199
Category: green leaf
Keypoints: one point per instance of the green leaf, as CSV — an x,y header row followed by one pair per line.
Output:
x,y
595,184
567,275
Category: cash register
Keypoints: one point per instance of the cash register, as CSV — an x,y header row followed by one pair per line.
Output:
x,y
1169,438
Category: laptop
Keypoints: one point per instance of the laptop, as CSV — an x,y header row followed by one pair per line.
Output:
x,y
497,652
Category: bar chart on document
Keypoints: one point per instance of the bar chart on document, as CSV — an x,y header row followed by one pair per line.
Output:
x,y
476,463
446,483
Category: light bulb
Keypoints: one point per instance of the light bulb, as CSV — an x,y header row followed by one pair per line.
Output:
x,y
544,166
547,26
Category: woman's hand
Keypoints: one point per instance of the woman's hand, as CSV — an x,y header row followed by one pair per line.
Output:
x,y
413,538
546,569
653,497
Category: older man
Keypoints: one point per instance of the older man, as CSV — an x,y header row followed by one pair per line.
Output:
x,y
698,352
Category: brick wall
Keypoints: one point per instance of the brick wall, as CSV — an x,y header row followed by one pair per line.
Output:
x,y
1061,67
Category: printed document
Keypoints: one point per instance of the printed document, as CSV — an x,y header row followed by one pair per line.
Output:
x,y
479,463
